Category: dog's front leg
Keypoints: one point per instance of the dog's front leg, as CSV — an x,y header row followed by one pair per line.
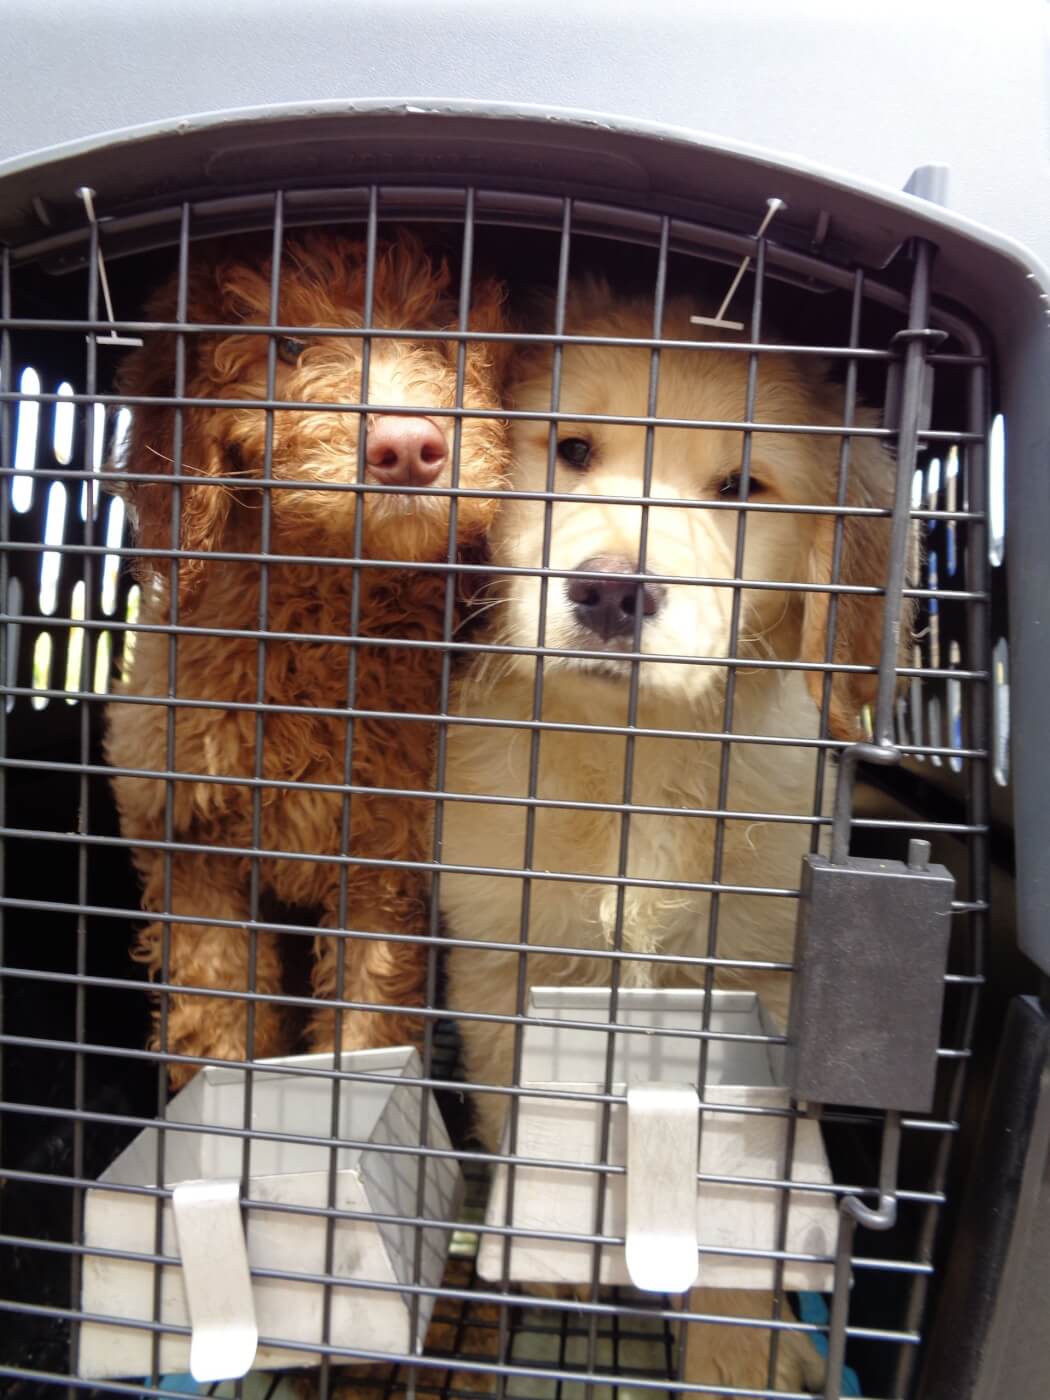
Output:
x,y
205,956
388,974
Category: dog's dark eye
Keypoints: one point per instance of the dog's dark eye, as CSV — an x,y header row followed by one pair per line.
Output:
x,y
575,452
289,349
730,486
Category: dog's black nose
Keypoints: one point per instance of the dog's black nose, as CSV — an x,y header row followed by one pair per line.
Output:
x,y
608,606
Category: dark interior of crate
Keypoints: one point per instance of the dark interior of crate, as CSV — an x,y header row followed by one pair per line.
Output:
x,y
74,961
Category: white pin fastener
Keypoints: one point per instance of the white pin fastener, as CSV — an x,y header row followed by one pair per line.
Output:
x,y
663,1144
218,1283
773,206
86,195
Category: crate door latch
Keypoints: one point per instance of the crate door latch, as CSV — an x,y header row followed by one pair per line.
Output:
x,y
218,1283
663,1145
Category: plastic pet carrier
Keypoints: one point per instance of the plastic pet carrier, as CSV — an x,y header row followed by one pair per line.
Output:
x,y
524,652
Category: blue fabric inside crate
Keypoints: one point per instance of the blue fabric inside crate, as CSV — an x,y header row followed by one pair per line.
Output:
x,y
254,1384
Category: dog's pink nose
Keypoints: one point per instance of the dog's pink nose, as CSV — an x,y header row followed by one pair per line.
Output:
x,y
405,451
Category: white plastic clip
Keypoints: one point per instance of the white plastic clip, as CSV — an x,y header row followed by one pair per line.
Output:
x,y
217,1280
663,1144
87,197
773,206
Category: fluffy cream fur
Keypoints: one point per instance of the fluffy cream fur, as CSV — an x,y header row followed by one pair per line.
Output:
x,y
322,284
677,772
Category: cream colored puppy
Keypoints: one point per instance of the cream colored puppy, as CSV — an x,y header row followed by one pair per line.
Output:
x,y
687,621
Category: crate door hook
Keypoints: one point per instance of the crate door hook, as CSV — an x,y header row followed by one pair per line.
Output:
x,y
86,195
773,206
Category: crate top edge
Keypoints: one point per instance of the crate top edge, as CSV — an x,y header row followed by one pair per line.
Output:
x,y
635,159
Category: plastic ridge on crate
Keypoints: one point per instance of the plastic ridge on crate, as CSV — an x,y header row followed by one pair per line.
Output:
x,y
283,1172
739,1073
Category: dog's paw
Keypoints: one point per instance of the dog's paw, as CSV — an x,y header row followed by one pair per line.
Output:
x,y
800,1366
720,1354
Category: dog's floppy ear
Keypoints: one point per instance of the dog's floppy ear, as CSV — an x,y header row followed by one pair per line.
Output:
x,y
534,311
488,312
863,562
203,510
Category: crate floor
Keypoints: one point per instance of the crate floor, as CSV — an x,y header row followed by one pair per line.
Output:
x,y
519,1337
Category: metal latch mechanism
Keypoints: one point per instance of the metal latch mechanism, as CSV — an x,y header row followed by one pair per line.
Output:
x,y
871,953
872,942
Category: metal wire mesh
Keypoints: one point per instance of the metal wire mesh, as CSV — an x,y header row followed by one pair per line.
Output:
x,y
78,1083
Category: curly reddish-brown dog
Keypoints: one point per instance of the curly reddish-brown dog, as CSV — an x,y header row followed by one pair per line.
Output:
x,y
308,603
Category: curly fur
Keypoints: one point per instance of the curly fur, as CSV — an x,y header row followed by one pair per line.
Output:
x,y
675,773
322,285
